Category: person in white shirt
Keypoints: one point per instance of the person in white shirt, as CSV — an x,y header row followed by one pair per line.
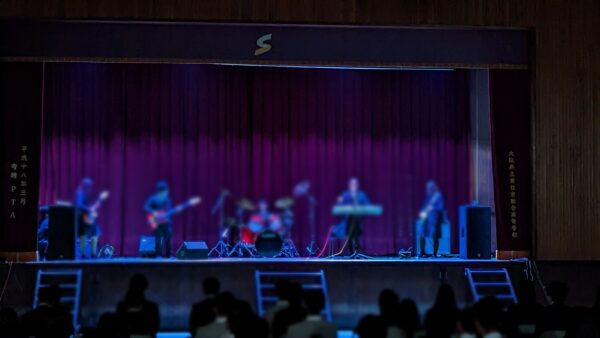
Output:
x,y
314,325
219,327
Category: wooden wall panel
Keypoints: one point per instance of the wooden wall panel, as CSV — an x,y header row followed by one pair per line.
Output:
x,y
566,79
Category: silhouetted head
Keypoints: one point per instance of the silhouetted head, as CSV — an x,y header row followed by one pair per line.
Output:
x,y
466,321
409,317
353,184
445,299
282,289
249,326
211,286
526,292
388,302
558,291
9,322
314,301
295,294
488,314
138,283
371,326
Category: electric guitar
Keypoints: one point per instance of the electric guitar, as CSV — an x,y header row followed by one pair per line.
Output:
x,y
160,216
90,217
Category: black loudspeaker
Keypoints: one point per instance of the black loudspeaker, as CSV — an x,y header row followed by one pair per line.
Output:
x,y
192,250
475,231
147,247
62,229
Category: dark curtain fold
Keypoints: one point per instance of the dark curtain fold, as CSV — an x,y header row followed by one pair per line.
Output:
x,y
255,131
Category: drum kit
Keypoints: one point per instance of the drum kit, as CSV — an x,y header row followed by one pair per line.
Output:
x,y
261,234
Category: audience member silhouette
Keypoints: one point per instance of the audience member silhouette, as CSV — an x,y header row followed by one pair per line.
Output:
x,y
488,317
409,318
522,318
440,320
204,312
371,326
243,322
282,287
9,323
313,325
110,325
465,326
225,304
557,316
49,318
140,315
294,313
388,310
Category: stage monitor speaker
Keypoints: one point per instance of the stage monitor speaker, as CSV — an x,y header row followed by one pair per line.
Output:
x,y
62,230
475,231
147,247
192,250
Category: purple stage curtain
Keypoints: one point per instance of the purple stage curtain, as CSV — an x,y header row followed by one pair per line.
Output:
x,y
256,131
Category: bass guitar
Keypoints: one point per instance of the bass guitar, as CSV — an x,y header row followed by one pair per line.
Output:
x,y
90,217
160,216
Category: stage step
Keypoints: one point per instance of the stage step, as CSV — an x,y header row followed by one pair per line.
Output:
x,y
491,282
69,282
265,286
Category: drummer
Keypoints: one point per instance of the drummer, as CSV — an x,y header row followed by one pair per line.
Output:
x,y
263,211
264,219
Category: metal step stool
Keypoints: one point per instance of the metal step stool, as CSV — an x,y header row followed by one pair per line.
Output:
x,y
491,282
265,286
69,282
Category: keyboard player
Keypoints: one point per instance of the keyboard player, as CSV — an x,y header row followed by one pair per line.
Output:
x,y
351,226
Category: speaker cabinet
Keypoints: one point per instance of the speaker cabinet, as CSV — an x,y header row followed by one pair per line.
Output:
x,y
147,247
192,250
62,228
475,231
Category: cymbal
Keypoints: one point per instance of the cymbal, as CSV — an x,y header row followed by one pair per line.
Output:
x,y
245,204
284,203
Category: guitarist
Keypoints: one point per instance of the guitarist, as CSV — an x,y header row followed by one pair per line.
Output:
x,y
158,203
87,227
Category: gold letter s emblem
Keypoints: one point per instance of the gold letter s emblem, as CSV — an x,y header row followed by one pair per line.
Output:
x,y
264,47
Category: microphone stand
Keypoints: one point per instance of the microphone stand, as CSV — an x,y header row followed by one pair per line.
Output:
x,y
311,249
221,248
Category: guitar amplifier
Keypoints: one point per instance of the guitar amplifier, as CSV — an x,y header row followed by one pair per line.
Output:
x,y
147,246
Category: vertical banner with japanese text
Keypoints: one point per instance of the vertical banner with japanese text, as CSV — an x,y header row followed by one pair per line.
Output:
x,y
21,103
511,142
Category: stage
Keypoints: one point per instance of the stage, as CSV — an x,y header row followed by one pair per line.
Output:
x,y
176,284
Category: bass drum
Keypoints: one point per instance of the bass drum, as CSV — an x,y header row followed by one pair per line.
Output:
x,y
268,244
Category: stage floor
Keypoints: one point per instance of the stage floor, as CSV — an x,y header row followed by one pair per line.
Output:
x,y
353,284
299,261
